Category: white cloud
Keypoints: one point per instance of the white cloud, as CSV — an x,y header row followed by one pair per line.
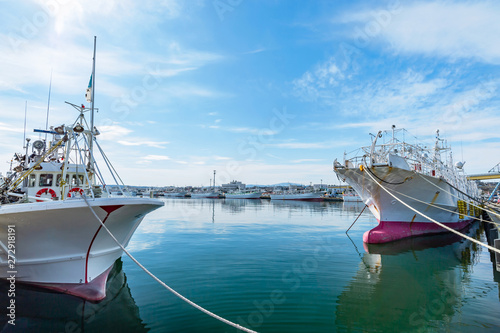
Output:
x,y
154,144
259,50
318,82
395,94
467,29
190,90
221,158
302,145
250,130
307,160
156,158
113,132
6,128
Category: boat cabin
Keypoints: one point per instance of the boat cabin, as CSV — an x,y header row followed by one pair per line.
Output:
x,y
45,181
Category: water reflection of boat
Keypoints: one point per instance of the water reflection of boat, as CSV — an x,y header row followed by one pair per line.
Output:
x,y
40,310
298,205
412,285
239,206
353,206
298,196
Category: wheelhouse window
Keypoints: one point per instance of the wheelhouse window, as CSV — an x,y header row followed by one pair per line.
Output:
x,y
46,180
32,181
58,179
77,180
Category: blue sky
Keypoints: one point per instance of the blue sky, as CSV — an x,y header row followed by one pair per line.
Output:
x,y
261,91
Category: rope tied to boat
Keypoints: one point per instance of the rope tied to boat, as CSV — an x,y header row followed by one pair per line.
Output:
x,y
432,220
489,210
211,314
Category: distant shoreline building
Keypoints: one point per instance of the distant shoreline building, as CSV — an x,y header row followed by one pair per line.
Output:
x,y
233,186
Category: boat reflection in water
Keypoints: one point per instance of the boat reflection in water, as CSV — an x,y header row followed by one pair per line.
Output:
x,y
41,310
414,284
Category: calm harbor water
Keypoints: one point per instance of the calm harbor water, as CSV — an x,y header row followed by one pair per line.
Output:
x,y
277,267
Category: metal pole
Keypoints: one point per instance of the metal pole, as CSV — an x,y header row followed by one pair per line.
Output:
x,y
91,141
93,89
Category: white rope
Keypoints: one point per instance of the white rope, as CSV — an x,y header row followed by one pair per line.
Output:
x,y
445,209
432,220
456,196
163,283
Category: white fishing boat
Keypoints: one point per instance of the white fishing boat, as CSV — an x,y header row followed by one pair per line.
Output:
x,y
209,194
351,196
244,195
424,178
49,233
305,196
174,194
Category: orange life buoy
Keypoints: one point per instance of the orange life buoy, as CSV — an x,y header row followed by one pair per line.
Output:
x,y
46,190
75,189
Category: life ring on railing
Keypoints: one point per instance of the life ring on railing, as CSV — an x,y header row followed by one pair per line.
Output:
x,y
75,189
45,190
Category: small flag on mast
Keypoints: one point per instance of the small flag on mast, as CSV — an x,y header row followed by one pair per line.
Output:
x,y
88,94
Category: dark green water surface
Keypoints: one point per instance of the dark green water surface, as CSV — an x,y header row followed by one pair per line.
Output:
x,y
278,267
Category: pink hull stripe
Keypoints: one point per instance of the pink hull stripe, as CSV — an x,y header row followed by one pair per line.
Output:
x,y
391,231
92,291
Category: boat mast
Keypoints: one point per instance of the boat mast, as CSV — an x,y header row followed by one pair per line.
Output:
x,y
93,90
48,110
92,134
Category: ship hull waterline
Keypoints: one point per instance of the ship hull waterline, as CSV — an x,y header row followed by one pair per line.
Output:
x,y
60,245
429,195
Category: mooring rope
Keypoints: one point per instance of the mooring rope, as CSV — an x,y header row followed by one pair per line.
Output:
x,y
356,220
432,220
456,196
445,209
211,314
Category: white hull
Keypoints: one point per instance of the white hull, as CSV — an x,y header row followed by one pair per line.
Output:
x,y
417,190
61,242
212,195
313,196
408,186
253,195
432,196
175,195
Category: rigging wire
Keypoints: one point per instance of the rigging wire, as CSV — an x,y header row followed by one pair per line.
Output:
x,y
211,314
